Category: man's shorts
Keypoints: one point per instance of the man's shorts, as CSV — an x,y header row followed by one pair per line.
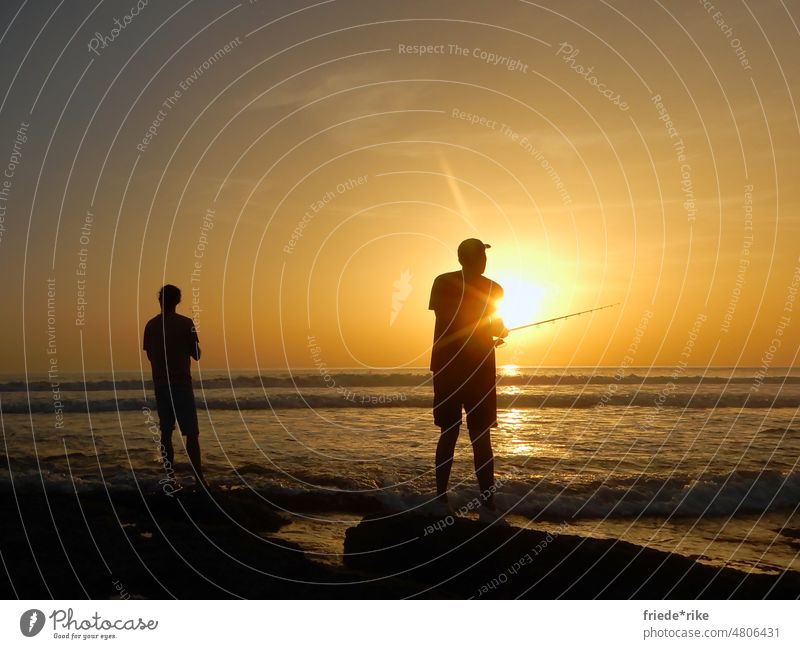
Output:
x,y
474,391
176,403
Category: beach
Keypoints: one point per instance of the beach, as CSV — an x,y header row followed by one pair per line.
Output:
x,y
198,545
303,475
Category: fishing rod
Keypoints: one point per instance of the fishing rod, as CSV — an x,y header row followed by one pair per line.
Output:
x,y
562,317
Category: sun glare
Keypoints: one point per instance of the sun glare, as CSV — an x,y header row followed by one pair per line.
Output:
x,y
509,369
521,303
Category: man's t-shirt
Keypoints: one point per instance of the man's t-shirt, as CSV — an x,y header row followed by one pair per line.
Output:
x,y
170,340
462,337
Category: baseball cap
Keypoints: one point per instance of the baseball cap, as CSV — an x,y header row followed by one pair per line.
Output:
x,y
469,248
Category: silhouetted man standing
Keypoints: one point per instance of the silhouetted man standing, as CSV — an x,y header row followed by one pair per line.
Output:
x,y
171,343
463,365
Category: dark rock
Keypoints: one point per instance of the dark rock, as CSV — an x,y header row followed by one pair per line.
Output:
x,y
193,545
465,558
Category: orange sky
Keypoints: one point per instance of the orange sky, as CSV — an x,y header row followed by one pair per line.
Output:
x,y
345,150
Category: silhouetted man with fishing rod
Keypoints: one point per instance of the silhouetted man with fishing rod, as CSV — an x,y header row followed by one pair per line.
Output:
x,y
463,366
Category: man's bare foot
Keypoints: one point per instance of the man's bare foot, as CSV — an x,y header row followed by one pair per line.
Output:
x,y
491,516
439,507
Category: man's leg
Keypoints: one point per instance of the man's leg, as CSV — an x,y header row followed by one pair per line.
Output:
x,y
444,459
481,406
193,451
166,423
167,452
447,416
484,464
186,411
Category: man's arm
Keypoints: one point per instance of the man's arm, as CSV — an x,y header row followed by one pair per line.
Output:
x,y
435,300
498,328
146,340
194,344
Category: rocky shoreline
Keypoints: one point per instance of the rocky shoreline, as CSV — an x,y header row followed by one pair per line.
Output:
x,y
225,544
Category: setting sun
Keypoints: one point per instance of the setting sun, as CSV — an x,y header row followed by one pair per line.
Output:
x,y
522,301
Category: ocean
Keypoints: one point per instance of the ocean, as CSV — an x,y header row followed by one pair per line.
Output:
x,y
704,463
